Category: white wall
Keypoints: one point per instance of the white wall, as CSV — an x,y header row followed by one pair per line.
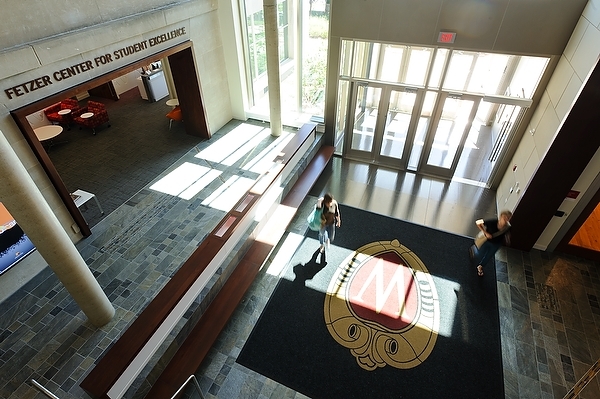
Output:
x,y
504,26
231,30
25,22
126,82
38,119
576,62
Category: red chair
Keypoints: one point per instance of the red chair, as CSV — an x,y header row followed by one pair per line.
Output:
x,y
98,118
52,112
174,115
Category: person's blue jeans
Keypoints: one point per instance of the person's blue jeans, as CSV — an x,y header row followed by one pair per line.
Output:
x,y
326,232
485,253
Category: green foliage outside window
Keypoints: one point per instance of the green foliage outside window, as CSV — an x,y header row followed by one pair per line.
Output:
x,y
315,63
257,45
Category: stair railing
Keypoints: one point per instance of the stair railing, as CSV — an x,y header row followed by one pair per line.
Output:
x,y
196,384
43,390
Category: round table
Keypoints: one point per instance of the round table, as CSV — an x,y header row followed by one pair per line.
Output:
x,y
86,115
66,111
173,102
47,132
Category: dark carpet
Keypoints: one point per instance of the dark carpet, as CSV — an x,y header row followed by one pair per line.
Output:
x,y
292,344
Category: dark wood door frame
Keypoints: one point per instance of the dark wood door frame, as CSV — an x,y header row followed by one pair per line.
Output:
x,y
192,102
183,70
564,245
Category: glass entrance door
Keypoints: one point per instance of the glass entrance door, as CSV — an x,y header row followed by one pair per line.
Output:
x,y
446,139
491,130
409,128
365,116
382,124
450,135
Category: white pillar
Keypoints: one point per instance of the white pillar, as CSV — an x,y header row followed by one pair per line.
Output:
x,y
272,44
25,202
166,67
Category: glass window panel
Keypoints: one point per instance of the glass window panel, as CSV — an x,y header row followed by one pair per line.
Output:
x,y
494,74
257,44
441,55
346,58
373,62
302,95
461,65
314,63
422,127
527,76
418,65
282,22
365,118
391,65
488,73
491,130
283,44
397,123
363,55
282,13
342,107
449,132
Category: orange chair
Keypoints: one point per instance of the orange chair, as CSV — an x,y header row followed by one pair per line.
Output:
x,y
174,115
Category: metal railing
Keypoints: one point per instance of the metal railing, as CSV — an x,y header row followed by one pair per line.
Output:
x,y
583,381
196,384
43,390
192,377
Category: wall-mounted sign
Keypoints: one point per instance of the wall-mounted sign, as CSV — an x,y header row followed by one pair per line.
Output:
x,y
98,62
446,37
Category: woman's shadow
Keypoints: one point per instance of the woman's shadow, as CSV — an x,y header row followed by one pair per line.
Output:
x,y
310,269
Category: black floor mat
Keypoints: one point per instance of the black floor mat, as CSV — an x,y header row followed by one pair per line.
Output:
x,y
374,354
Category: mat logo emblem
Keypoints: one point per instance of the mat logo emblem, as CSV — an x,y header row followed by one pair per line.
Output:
x,y
383,306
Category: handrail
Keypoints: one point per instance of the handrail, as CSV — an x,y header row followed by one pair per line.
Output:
x,y
583,381
43,390
191,377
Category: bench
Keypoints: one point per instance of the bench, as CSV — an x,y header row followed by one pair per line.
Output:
x,y
194,349
124,360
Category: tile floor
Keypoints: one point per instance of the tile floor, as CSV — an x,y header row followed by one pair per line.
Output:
x,y
549,304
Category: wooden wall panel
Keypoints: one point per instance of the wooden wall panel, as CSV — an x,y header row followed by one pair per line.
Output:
x,y
183,69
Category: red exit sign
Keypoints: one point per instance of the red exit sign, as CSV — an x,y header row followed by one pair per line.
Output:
x,y
446,37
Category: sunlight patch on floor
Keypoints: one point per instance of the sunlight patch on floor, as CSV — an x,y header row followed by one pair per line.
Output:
x,y
285,253
199,185
247,148
230,143
182,178
264,161
229,193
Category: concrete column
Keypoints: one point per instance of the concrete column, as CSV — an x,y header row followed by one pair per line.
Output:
x,y
272,43
25,202
168,77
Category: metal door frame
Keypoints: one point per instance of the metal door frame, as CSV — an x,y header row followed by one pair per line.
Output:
x,y
438,171
374,156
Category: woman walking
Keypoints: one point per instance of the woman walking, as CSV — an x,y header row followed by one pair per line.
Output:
x,y
332,218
